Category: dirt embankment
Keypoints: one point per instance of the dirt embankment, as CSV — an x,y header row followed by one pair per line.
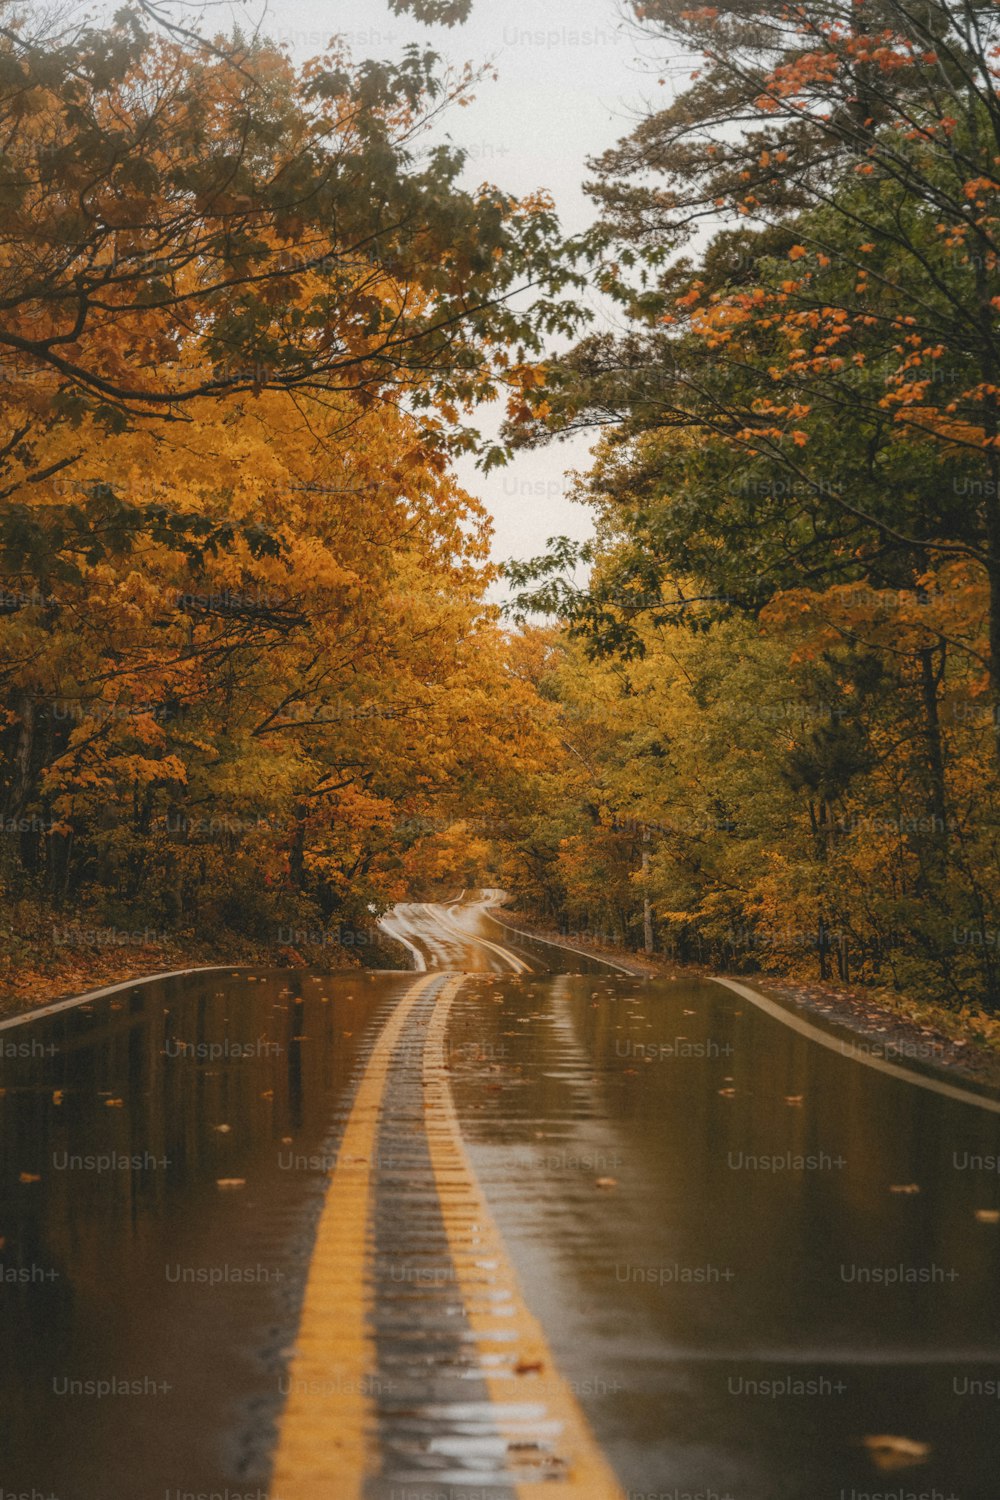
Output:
x,y
43,959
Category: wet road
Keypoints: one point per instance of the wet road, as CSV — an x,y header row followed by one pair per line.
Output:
x,y
409,1236
470,934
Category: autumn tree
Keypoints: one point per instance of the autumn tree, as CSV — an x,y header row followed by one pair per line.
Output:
x,y
182,219
834,338
800,433
244,648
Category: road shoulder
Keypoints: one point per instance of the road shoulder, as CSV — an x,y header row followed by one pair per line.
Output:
x,y
929,1040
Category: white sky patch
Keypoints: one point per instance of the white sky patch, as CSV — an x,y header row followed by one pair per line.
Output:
x,y
571,82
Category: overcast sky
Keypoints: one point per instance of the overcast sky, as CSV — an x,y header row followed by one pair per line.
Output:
x,y
570,80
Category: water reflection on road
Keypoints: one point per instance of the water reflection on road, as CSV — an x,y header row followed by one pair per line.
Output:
x,y
755,1295
749,1253
163,1157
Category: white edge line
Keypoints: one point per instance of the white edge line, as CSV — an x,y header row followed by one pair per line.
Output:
x,y
421,964
565,947
856,1052
517,964
114,989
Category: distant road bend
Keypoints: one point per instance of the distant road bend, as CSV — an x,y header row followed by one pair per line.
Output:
x,y
466,934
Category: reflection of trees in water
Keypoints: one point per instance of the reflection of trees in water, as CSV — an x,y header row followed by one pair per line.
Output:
x,y
137,1194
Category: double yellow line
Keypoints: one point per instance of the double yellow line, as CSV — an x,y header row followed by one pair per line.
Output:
x,y
517,1370
327,1444
324,1447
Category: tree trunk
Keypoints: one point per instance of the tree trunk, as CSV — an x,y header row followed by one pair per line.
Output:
x,y
937,798
21,783
297,853
647,909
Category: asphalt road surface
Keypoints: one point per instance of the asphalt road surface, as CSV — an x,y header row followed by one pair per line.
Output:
x,y
512,1224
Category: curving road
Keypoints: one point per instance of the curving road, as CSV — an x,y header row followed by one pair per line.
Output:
x,y
512,1225
454,935
468,934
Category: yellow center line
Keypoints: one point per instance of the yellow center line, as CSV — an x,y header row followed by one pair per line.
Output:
x,y
326,1435
528,1393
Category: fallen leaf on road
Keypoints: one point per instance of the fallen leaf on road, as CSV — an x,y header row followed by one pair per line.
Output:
x,y
896,1452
